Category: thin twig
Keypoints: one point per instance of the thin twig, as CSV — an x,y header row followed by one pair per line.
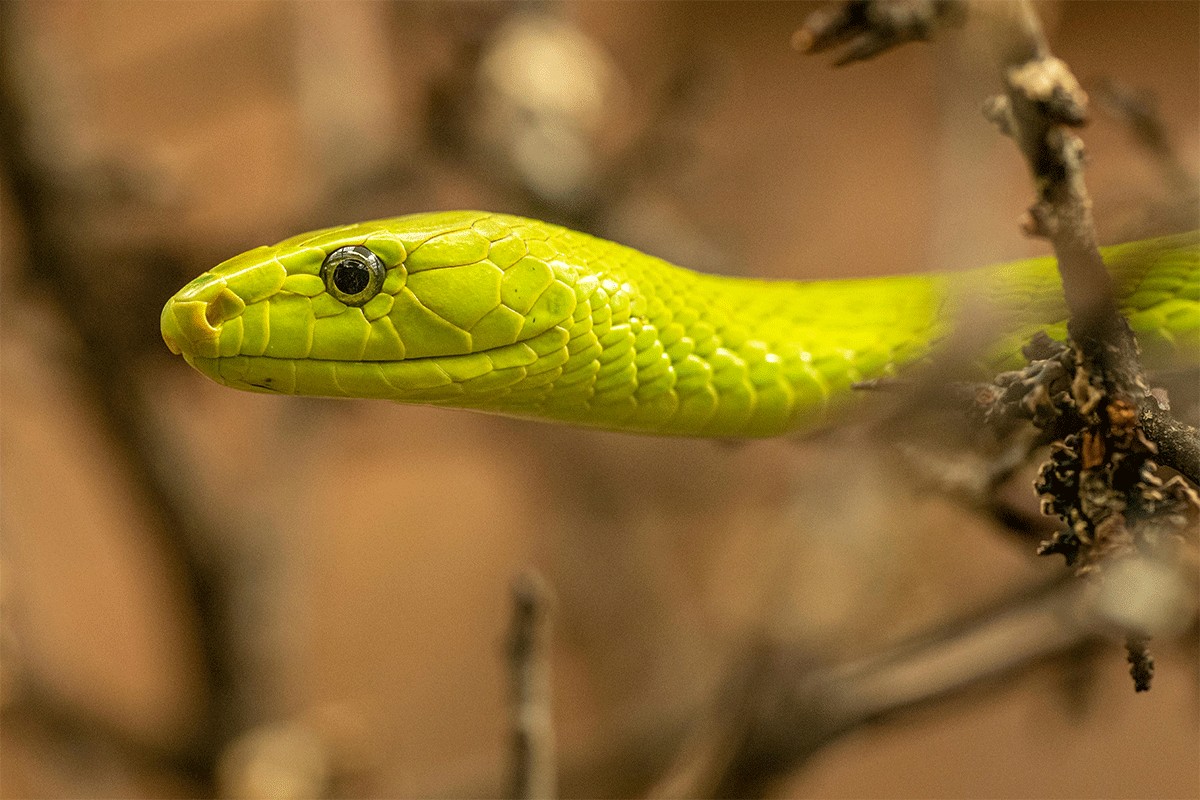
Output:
x,y
865,28
533,765
1042,101
1138,109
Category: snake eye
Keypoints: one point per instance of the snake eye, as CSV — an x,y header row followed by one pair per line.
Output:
x,y
353,274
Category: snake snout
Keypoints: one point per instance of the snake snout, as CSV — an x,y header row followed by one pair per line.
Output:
x,y
191,320
186,329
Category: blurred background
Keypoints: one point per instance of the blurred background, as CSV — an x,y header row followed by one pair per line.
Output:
x,y
205,591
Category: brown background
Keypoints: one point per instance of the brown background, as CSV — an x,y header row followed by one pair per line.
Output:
x,y
375,543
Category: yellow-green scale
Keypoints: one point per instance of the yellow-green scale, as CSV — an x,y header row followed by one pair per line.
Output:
x,y
656,348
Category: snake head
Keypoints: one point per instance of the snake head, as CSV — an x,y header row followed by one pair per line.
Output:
x,y
440,307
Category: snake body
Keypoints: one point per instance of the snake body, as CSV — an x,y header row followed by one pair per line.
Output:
x,y
516,316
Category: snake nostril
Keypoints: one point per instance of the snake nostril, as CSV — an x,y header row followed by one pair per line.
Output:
x,y
186,325
212,314
225,306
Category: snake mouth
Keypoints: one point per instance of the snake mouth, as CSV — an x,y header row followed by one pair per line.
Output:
x,y
326,378
428,379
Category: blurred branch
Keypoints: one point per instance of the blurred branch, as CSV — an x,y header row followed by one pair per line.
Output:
x,y
86,736
184,533
550,147
1139,111
866,28
30,703
778,709
533,767
778,705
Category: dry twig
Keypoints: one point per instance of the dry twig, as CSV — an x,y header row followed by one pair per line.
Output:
x,y
533,767
866,28
1101,479
1093,398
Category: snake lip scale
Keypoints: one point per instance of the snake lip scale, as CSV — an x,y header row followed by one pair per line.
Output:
x,y
509,315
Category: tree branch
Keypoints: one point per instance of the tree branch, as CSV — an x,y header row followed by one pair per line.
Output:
x,y
779,708
868,28
533,765
1101,478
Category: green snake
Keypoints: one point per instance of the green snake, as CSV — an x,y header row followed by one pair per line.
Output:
x,y
515,316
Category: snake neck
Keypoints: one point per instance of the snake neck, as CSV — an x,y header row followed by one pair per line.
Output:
x,y
650,347
653,348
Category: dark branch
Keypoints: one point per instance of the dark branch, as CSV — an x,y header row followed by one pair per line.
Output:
x,y
866,28
1092,398
533,766
1100,479
183,532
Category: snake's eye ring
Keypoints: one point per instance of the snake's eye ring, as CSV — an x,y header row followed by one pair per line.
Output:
x,y
353,274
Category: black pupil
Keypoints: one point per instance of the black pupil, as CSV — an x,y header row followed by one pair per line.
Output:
x,y
351,277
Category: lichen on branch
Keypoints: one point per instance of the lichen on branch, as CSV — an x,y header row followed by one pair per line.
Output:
x,y
1090,397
